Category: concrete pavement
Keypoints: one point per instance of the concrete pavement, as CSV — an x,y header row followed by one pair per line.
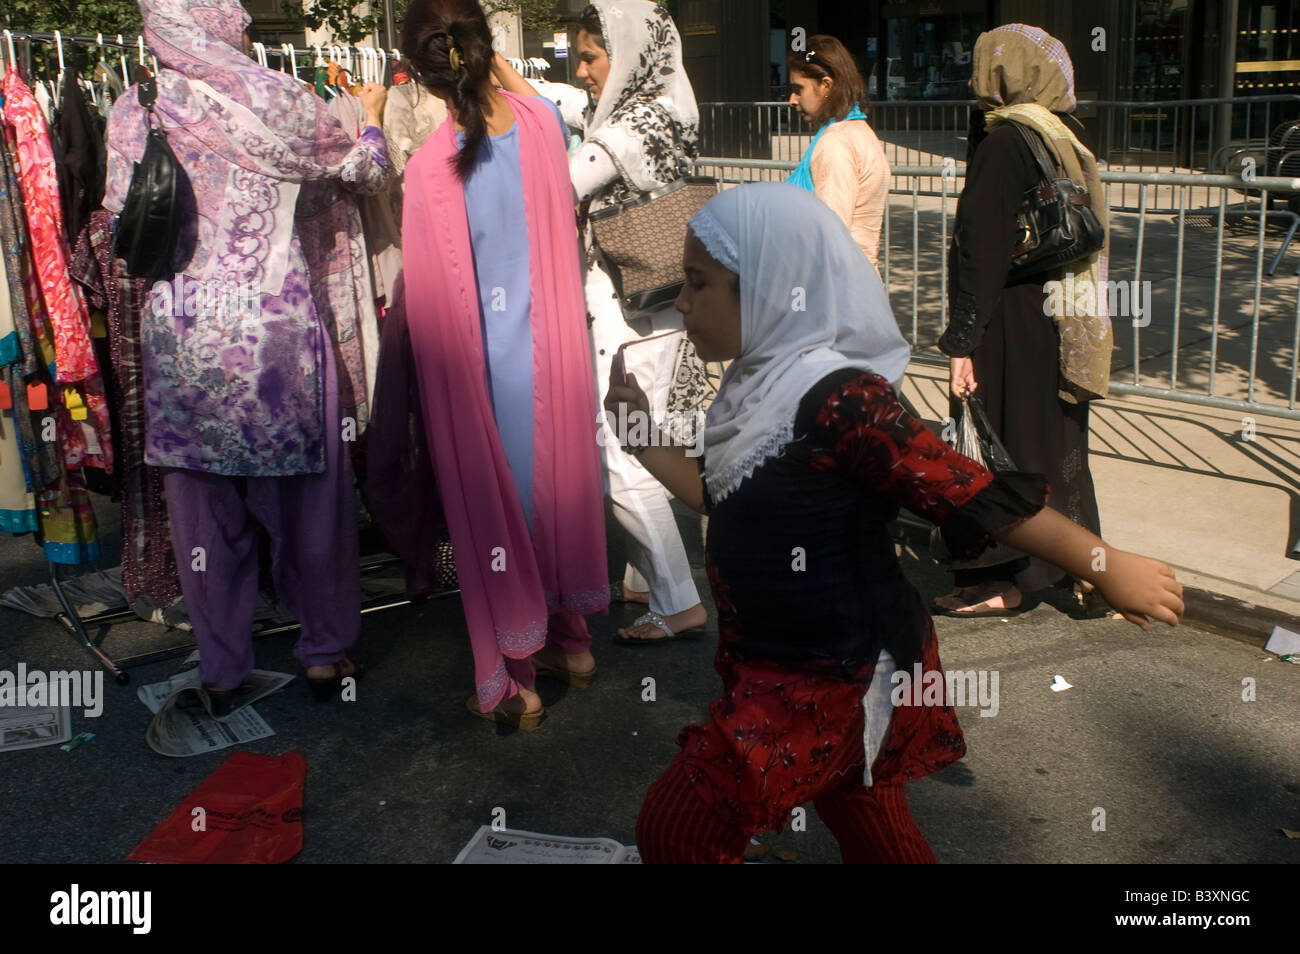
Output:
x,y
1155,733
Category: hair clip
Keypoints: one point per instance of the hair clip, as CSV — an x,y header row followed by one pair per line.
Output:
x,y
821,61
453,54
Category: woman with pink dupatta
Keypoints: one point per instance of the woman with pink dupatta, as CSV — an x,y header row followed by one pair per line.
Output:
x,y
499,337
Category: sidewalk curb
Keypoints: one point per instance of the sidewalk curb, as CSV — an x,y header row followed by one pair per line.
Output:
x,y
1234,618
1213,612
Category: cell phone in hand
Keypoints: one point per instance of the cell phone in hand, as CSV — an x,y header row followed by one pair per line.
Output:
x,y
621,364
618,357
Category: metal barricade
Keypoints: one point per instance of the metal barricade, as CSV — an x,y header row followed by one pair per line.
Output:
x,y
1196,317
1191,135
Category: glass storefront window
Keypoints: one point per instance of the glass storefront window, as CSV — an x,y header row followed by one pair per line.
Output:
x,y
1268,48
1154,50
929,57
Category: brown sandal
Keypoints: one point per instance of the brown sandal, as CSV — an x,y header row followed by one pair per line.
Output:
x,y
523,721
576,680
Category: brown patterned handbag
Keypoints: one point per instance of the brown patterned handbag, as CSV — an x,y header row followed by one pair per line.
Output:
x,y
642,240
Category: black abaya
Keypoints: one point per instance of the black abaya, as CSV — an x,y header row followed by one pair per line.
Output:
x,y
1014,347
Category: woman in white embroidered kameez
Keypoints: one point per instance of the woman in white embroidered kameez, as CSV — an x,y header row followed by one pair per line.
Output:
x,y
641,132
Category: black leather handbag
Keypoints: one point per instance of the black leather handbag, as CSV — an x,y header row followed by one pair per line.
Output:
x,y
1056,224
148,230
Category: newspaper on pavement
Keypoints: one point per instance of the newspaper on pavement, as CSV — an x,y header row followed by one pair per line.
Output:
x,y
183,725
29,727
510,847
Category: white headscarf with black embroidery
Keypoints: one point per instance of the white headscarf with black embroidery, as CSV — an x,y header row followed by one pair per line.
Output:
x,y
810,304
646,118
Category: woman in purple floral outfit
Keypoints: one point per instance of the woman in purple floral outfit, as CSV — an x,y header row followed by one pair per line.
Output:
x,y
255,372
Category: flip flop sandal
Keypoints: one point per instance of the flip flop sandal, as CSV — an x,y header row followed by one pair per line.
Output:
x,y
577,680
938,610
657,620
523,721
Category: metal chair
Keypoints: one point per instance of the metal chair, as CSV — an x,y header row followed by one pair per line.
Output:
x,y
1278,155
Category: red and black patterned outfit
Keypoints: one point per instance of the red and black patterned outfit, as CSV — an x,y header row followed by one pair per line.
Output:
x,y
809,591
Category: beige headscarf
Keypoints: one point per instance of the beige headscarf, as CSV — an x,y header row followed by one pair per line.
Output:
x,y
1023,74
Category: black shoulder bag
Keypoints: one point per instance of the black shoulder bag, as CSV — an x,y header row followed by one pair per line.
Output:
x,y
1056,224
148,229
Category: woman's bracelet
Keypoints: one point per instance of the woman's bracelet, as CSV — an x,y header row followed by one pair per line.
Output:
x,y
636,450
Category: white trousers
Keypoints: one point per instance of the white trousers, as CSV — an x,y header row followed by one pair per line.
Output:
x,y
657,559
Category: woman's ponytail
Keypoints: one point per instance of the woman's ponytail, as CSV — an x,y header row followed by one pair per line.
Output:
x,y
449,46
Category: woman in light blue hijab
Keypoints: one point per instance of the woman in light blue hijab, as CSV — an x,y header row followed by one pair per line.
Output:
x,y
828,657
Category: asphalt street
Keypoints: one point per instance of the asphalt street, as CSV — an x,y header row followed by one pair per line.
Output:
x,y
1155,732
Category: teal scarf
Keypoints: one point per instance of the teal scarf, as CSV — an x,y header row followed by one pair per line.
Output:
x,y
802,175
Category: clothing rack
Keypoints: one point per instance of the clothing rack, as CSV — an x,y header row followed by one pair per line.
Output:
x,y
25,38
532,68
375,65
370,64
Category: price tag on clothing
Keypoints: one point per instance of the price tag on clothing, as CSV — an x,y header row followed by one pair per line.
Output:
x,y
6,397
98,326
72,400
37,398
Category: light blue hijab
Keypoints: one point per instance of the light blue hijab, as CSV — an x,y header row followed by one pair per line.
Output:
x,y
802,175
810,304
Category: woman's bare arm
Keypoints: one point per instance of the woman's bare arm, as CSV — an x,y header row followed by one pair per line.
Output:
x,y
1140,588
876,442
509,77
679,473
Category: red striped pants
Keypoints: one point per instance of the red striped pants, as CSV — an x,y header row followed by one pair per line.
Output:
x,y
872,825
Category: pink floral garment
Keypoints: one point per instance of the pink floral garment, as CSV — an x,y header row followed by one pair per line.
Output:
x,y
75,357
56,308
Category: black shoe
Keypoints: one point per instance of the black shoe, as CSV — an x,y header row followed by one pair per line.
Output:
x,y
325,688
221,703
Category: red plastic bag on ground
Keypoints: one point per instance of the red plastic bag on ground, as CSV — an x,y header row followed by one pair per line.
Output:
x,y
251,814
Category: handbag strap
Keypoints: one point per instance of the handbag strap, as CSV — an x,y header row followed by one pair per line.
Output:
x,y
1049,170
146,90
1046,162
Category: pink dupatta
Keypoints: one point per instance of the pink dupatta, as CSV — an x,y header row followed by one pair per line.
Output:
x,y
510,582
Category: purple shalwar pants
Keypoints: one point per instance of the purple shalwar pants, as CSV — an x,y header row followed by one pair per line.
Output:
x,y
315,554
